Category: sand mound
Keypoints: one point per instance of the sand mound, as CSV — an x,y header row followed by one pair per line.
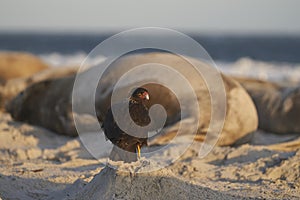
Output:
x,y
163,184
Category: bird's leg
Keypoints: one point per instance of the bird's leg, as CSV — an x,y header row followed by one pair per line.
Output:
x,y
138,148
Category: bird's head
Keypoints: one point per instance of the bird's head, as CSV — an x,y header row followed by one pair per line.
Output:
x,y
140,94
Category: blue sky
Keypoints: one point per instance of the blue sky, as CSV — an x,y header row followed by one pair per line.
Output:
x,y
212,16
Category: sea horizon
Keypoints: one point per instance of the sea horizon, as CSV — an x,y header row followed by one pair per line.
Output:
x,y
224,48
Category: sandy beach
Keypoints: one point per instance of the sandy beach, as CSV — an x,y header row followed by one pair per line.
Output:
x,y
39,164
36,163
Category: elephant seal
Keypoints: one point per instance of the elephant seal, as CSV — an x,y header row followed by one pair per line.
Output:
x,y
17,65
238,122
278,104
10,88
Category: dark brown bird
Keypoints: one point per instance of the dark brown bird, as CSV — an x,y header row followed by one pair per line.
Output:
x,y
126,144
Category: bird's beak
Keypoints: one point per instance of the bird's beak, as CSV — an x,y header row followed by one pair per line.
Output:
x,y
147,96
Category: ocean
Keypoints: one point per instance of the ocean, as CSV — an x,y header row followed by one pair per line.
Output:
x,y
266,57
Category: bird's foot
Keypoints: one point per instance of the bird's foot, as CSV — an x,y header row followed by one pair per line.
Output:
x,y
143,163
